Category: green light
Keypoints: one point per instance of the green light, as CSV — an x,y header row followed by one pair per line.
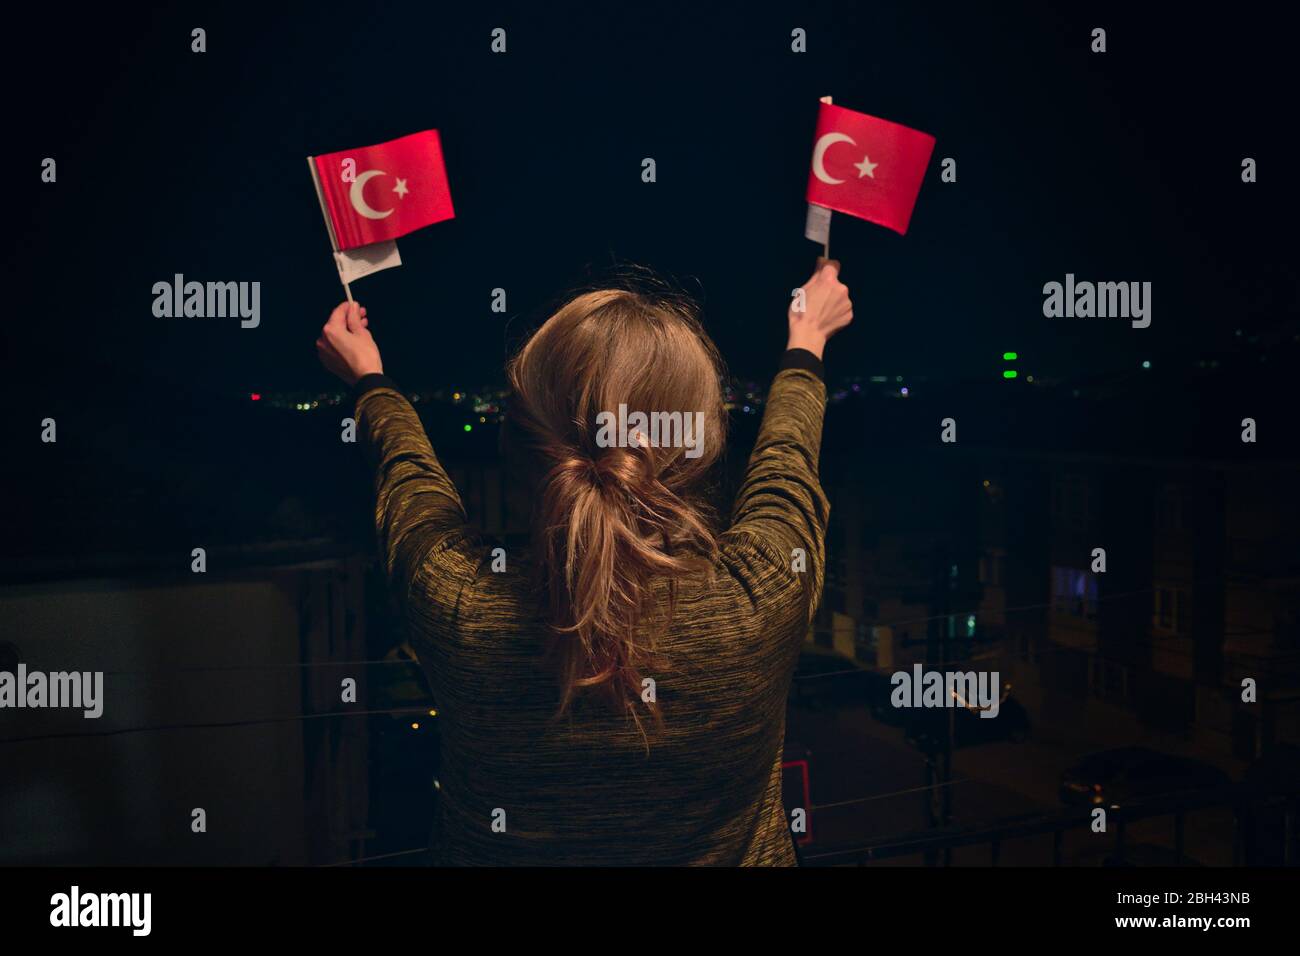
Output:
x,y
1010,373
469,428
1009,356
1146,364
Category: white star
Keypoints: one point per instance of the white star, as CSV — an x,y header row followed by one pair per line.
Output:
x,y
866,167
400,188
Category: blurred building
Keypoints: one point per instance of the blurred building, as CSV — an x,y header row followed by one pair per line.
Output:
x,y
984,552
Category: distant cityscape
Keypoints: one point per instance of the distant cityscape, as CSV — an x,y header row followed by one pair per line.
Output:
x,y
485,404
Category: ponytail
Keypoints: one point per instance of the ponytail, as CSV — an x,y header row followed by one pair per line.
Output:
x,y
607,530
615,529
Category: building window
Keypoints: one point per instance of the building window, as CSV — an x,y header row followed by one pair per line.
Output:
x,y
1074,593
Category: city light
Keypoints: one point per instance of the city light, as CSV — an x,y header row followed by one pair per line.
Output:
x,y
1010,357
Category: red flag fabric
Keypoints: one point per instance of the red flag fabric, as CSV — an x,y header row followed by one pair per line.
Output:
x,y
867,167
386,190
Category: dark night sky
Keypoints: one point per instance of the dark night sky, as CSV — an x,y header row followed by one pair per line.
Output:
x,y
1122,166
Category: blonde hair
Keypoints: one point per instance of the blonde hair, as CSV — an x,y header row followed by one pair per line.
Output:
x,y
611,524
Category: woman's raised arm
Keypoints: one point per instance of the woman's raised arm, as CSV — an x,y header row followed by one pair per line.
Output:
x,y
781,510
418,512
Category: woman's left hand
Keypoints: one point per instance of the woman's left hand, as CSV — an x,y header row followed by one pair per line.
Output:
x,y
346,346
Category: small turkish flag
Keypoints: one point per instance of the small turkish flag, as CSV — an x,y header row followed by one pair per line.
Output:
x,y
867,167
376,193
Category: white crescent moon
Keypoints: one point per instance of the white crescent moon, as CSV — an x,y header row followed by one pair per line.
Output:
x,y
818,152
359,201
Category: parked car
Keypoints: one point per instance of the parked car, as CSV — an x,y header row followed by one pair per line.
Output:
x,y
927,728
1115,777
825,678
878,688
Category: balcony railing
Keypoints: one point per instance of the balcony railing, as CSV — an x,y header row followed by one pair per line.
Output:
x,y
1248,805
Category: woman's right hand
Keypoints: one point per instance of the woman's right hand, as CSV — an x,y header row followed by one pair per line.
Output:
x,y
826,309
346,347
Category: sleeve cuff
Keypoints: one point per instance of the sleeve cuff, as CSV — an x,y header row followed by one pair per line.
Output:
x,y
802,358
372,381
